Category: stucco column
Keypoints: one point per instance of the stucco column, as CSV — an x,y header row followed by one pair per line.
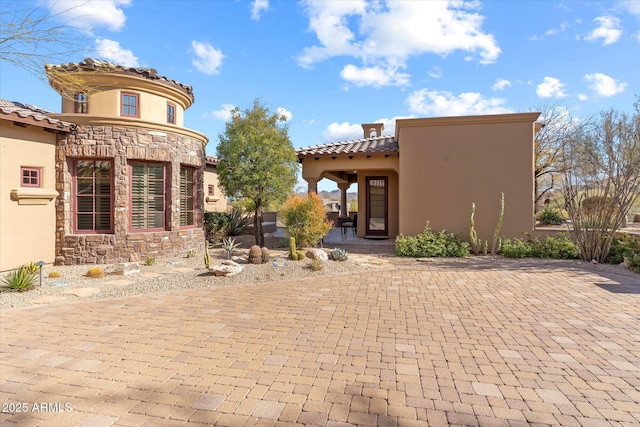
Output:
x,y
312,185
344,208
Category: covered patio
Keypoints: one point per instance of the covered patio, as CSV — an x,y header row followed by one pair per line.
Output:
x,y
372,164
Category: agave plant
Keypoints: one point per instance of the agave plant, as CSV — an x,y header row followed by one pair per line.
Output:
x,y
339,254
229,244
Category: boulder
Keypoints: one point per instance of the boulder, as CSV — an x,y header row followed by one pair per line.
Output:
x,y
317,254
226,268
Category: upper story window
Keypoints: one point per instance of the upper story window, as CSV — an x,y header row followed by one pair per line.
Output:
x,y
148,196
171,113
81,103
93,195
29,177
212,190
130,105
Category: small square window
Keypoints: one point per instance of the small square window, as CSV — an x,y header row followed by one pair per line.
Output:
x,y
81,104
129,106
212,190
30,177
171,113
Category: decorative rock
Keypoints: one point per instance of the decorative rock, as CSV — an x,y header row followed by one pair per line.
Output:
x,y
636,217
227,268
317,254
125,268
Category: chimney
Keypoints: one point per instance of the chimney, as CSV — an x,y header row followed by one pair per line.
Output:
x,y
372,129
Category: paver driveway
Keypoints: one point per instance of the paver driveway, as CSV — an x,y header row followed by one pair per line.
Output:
x,y
423,344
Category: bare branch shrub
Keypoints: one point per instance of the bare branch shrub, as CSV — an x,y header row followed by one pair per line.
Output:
x,y
601,179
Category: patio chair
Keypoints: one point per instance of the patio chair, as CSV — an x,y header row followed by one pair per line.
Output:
x,y
353,224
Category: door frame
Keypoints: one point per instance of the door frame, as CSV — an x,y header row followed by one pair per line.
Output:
x,y
369,232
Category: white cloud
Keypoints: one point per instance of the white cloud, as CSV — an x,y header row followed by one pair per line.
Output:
x,y
604,85
608,30
257,7
111,51
370,31
435,73
442,103
583,97
374,76
285,113
88,15
342,132
631,6
223,113
346,131
552,31
551,87
208,59
501,84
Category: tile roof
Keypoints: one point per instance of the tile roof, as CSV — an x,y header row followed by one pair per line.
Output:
x,y
365,146
90,64
32,115
210,160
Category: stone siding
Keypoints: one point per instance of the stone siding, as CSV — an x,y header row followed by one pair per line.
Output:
x,y
122,145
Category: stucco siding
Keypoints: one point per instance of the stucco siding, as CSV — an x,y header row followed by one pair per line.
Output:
x,y
448,164
27,225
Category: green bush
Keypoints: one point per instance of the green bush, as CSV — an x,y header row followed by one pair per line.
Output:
x,y
626,246
20,280
550,216
215,224
633,263
560,247
516,248
431,244
305,219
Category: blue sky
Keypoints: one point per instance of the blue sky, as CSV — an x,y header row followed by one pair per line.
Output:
x,y
332,65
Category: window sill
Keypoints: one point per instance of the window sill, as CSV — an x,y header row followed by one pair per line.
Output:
x,y
33,196
212,199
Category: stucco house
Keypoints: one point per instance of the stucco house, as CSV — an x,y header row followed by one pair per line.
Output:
x,y
114,177
214,199
432,170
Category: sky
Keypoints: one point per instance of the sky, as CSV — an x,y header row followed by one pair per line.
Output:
x,y
329,66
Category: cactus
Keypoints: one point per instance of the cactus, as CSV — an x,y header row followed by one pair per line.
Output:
x,y
299,256
293,252
207,257
495,245
191,253
255,255
338,254
265,254
473,236
95,273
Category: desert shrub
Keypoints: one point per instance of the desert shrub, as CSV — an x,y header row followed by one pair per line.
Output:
x,y
317,264
559,247
95,273
20,280
215,224
633,263
516,248
431,244
626,246
237,223
150,261
550,216
305,219
54,274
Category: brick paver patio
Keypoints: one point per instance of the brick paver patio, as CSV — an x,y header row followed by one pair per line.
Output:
x,y
421,344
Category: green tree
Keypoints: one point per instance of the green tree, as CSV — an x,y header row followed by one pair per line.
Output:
x,y
257,160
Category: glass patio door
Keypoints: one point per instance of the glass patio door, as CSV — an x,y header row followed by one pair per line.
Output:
x,y
377,218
